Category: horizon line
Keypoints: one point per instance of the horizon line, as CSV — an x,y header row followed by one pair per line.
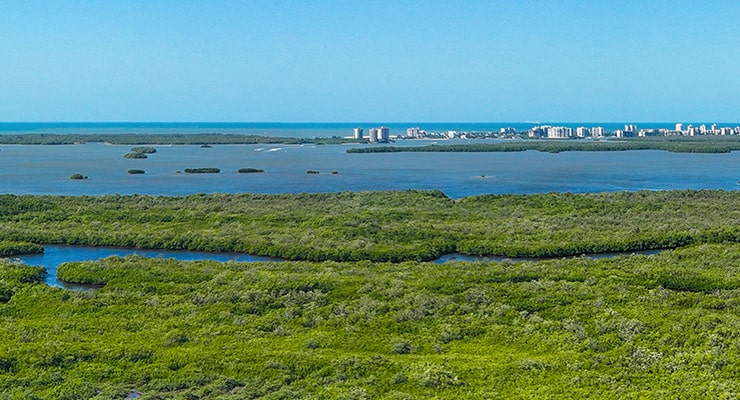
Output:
x,y
365,122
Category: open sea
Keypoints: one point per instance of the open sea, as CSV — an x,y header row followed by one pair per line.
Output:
x,y
302,129
39,169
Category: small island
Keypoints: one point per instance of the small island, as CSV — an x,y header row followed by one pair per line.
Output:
x,y
144,150
140,152
250,171
135,155
136,171
77,177
202,170
312,172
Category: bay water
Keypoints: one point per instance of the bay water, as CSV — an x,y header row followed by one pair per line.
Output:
x,y
45,169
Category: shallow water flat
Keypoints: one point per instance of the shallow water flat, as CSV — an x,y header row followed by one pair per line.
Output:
x,y
38,169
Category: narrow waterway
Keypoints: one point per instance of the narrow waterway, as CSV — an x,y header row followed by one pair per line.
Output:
x,y
463,257
57,254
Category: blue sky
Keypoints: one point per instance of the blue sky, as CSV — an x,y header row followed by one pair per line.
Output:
x,y
426,61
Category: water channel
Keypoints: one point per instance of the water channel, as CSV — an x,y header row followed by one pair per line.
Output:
x,y
57,254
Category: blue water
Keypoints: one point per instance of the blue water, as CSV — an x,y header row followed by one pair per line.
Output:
x,y
305,129
29,169
464,257
34,169
55,255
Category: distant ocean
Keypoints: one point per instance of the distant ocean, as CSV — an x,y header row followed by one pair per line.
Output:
x,y
299,129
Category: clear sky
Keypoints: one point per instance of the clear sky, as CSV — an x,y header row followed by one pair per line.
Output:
x,y
345,61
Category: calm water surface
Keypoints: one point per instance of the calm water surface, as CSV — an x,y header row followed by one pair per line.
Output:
x,y
46,170
55,255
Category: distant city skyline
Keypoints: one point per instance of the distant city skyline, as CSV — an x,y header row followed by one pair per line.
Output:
x,y
327,61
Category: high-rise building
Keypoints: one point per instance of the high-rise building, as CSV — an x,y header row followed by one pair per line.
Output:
x,y
597,131
384,134
559,132
679,127
373,137
538,131
358,133
582,131
413,132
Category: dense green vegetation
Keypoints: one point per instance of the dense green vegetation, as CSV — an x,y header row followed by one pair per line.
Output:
x,y
136,171
10,248
202,170
144,150
380,226
153,139
250,170
77,177
635,327
719,144
140,152
135,155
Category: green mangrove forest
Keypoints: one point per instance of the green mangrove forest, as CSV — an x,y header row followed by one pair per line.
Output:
x,y
206,170
162,139
379,226
717,144
140,152
634,327
359,313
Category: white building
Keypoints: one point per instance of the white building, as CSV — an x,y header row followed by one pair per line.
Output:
x,y
415,132
679,127
597,131
538,131
559,132
373,135
357,133
384,134
582,131
691,130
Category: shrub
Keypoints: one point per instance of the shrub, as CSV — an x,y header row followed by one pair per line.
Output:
x,y
134,155
144,150
136,171
202,170
250,170
401,347
77,176
12,248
